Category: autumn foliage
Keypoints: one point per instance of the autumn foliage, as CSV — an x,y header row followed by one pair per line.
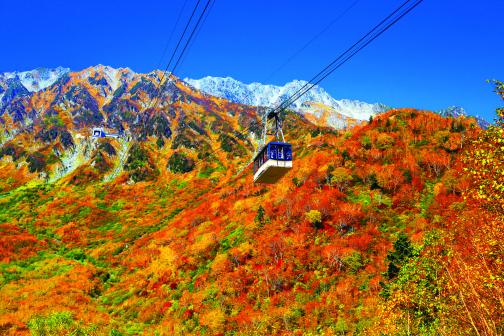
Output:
x,y
393,227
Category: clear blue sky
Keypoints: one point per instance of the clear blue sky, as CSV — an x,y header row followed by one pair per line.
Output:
x,y
440,55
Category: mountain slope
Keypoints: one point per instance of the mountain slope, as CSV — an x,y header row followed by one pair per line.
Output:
x,y
208,252
164,233
49,130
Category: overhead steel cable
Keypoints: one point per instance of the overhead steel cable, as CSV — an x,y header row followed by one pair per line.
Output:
x,y
154,102
289,101
328,70
172,33
380,28
286,103
197,32
191,36
181,54
156,94
313,39
175,52
355,52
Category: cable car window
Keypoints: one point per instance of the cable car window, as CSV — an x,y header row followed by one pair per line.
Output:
x,y
280,152
273,152
288,152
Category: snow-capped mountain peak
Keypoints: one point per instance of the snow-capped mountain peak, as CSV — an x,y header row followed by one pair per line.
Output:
x,y
112,76
458,111
257,94
37,79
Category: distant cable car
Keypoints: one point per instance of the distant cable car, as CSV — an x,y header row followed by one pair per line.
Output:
x,y
274,159
98,132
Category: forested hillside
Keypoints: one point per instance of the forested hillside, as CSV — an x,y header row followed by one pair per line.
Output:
x,y
392,227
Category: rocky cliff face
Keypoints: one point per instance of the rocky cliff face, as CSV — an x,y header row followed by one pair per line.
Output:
x,y
257,94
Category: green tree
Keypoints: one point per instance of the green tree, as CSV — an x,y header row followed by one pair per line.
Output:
x,y
354,262
341,178
485,161
314,217
402,252
259,218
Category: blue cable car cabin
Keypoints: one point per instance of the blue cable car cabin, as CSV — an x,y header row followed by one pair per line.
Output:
x,y
272,162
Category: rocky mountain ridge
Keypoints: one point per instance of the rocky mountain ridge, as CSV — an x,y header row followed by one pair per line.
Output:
x,y
257,94
49,130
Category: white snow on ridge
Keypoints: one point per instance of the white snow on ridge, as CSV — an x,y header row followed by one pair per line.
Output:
x,y
8,75
254,94
41,78
257,94
38,79
113,75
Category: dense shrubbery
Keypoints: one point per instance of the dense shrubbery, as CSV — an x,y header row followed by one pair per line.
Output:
x,y
59,324
16,152
36,162
179,163
449,283
139,166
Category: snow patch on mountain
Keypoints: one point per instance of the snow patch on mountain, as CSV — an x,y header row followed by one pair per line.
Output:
x,y
257,94
113,75
37,79
458,111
